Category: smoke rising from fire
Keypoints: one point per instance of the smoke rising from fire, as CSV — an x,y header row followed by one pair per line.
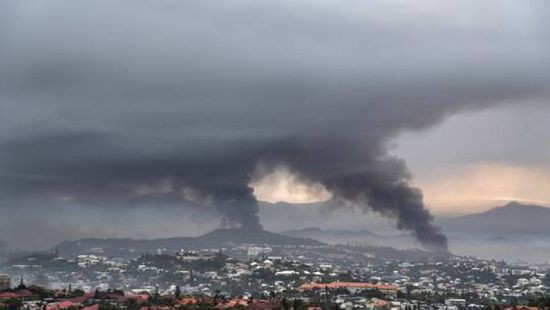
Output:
x,y
97,103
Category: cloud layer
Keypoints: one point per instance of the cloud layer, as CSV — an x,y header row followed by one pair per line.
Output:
x,y
186,99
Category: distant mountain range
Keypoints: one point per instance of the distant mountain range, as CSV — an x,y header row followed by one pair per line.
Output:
x,y
525,228
215,239
340,236
511,224
511,219
315,232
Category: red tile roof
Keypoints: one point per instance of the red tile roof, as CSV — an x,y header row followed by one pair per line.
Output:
x,y
65,304
8,295
24,293
522,308
188,301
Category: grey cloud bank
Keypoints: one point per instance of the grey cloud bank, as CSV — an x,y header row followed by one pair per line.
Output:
x,y
99,101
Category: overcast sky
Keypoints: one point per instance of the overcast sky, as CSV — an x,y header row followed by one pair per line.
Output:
x,y
163,108
502,156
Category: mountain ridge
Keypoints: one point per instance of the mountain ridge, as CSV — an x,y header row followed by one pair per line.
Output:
x,y
363,236
511,218
332,231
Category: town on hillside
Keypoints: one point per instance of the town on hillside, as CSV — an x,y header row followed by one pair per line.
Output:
x,y
269,277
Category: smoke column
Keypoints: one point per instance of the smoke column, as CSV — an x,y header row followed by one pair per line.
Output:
x,y
367,178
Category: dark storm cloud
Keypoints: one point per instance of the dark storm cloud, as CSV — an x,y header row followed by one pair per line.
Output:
x,y
185,98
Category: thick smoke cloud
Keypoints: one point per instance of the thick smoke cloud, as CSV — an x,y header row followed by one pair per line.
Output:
x,y
117,104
